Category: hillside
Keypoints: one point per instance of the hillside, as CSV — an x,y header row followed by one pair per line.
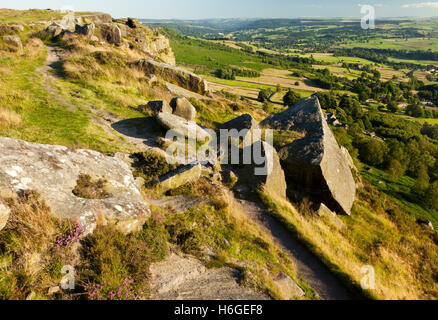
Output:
x,y
89,107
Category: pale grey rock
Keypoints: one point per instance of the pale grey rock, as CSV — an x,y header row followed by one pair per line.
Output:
x,y
111,33
245,121
175,75
4,214
54,30
179,177
269,173
86,29
183,108
331,217
97,17
160,106
53,172
287,287
314,163
54,290
186,278
181,125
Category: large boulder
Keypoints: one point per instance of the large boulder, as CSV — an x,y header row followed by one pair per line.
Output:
x,y
15,42
267,172
97,17
245,121
175,75
86,29
314,163
159,106
179,177
53,171
111,33
183,108
4,214
181,126
54,30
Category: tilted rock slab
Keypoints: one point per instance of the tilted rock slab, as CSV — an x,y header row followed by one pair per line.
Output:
x,y
179,177
179,76
316,162
53,172
183,108
181,125
269,173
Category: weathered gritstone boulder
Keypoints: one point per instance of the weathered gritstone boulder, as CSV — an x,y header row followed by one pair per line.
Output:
x,y
54,30
287,287
183,108
178,76
86,29
353,168
181,126
245,121
179,177
97,17
53,172
269,172
14,41
111,33
315,163
160,106
4,215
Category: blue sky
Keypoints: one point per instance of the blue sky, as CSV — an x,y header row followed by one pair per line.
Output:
x,y
201,9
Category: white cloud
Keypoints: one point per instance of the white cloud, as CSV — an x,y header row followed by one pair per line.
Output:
x,y
421,5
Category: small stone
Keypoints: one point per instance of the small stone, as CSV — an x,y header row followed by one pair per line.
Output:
x,y
287,287
4,215
54,290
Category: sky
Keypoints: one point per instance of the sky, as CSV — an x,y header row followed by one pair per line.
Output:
x,y
206,9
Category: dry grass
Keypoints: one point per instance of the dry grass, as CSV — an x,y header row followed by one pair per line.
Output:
x,y
379,234
9,118
88,188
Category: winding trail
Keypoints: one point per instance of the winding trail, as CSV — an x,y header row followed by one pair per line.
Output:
x,y
309,267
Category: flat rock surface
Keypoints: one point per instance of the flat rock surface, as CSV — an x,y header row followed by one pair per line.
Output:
x,y
185,278
53,172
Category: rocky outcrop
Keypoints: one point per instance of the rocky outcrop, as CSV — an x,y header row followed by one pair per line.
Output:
x,y
186,278
111,33
15,42
269,173
181,126
54,30
175,75
179,177
97,18
53,172
86,29
4,214
159,106
314,163
183,108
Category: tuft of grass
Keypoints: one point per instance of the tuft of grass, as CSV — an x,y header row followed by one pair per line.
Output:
x,y
87,188
9,118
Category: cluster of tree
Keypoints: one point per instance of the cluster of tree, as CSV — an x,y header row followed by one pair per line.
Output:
x,y
429,92
232,73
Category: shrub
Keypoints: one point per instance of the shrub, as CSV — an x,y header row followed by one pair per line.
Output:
x,y
291,98
88,189
151,165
